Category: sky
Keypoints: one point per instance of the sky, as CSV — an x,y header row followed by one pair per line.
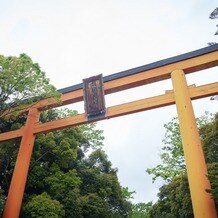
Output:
x,y
75,39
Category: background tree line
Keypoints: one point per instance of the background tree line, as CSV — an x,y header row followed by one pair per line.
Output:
x,y
70,175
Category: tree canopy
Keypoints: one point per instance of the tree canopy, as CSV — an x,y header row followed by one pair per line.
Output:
x,y
172,155
174,198
22,82
69,173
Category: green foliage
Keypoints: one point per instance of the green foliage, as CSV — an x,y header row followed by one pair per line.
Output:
x,y
209,135
172,155
70,175
213,177
210,143
127,194
43,206
174,197
95,206
69,171
101,180
2,200
60,183
174,200
21,83
141,210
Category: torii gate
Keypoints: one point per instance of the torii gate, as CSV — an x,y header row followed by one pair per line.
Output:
x,y
175,68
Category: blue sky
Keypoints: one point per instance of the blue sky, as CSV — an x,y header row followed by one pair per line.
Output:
x,y
72,40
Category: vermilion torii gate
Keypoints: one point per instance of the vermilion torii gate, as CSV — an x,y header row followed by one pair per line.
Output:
x,y
175,68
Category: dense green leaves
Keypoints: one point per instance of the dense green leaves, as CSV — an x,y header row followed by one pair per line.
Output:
x,y
69,171
210,145
60,183
141,210
172,155
70,175
213,177
174,200
174,196
43,206
127,194
21,83
95,206
2,200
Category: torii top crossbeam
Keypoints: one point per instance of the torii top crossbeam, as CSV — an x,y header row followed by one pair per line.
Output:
x,y
190,62
174,62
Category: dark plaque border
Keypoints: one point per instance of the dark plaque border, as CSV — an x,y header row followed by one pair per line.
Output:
x,y
94,101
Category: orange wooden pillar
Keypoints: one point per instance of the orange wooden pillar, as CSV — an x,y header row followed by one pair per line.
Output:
x,y
18,181
203,205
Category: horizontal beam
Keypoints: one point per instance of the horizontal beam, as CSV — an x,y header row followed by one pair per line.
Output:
x,y
128,108
162,73
147,67
118,110
190,62
133,80
15,134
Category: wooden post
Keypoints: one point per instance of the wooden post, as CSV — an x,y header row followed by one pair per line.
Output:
x,y
18,181
203,205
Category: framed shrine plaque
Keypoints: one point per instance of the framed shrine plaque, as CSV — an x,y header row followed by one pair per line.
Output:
x,y
94,97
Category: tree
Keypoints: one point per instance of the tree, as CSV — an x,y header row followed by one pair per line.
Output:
x,y
214,15
70,175
43,206
210,141
141,210
64,175
174,196
172,155
2,200
174,200
127,194
22,83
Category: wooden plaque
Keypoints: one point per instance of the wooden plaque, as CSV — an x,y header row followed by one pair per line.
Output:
x,y
94,97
